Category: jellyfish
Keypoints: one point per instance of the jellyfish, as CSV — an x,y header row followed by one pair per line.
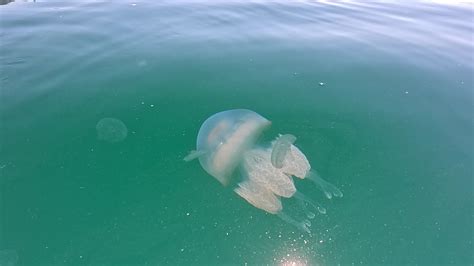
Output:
x,y
262,173
8,257
111,130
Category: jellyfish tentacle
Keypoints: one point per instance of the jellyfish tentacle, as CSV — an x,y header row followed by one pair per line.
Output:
x,y
193,155
308,213
281,147
307,222
329,189
301,197
303,226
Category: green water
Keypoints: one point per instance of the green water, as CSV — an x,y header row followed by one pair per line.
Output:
x,y
380,97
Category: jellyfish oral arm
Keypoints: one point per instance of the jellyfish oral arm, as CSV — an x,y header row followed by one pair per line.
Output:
x,y
305,200
258,168
303,225
329,189
259,197
193,155
281,147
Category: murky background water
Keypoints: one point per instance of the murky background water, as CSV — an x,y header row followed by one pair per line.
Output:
x,y
379,95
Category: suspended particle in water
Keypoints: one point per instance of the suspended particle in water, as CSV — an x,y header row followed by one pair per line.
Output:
x,y
111,130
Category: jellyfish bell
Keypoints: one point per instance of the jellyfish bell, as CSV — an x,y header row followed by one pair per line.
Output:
x,y
111,130
223,138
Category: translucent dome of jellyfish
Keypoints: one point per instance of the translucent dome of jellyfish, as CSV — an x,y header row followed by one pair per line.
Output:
x,y
261,173
111,130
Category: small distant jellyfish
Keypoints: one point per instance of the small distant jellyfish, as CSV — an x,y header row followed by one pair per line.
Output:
x,y
111,130
142,63
261,174
8,257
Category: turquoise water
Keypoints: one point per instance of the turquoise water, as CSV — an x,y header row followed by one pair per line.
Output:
x,y
380,97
